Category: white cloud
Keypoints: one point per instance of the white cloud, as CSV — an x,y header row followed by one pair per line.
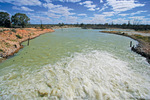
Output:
x,y
137,19
51,6
98,19
52,15
123,14
73,1
71,19
108,14
48,1
22,8
103,18
103,8
3,11
138,12
70,1
49,14
58,9
37,19
120,21
82,15
89,5
101,1
123,5
23,2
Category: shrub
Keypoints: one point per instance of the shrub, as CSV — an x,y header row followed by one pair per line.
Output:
x,y
1,50
13,30
18,36
145,38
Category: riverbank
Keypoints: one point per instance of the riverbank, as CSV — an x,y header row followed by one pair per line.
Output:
x,y
11,39
143,48
60,27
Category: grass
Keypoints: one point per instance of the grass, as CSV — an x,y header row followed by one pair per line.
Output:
x,y
1,50
13,30
145,38
7,44
14,40
3,30
18,36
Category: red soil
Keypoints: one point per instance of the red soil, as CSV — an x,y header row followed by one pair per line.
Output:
x,y
10,43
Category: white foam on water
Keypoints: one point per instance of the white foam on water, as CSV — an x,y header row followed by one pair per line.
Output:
x,y
94,75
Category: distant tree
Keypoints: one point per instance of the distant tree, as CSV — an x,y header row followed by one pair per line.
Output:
x,y
5,19
61,24
106,24
81,25
136,21
20,19
129,23
41,25
112,23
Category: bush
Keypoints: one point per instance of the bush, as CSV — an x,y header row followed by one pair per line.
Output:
x,y
1,50
18,36
145,38
13,30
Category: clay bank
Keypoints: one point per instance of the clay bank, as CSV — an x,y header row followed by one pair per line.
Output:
x,y
11,39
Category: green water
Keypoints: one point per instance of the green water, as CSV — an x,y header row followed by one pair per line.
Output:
x,y
75,51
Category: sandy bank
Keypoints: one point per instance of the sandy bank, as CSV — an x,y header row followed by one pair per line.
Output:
x,y
11,39
143,48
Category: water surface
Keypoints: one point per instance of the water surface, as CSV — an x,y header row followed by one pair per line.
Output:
x,y
76,64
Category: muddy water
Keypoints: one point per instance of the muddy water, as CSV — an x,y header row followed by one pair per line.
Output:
x,y
76,64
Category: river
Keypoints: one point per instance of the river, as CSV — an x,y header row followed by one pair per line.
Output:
x,y
75,64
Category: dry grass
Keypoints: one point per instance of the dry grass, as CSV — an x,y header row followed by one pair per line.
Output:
x,y
144,38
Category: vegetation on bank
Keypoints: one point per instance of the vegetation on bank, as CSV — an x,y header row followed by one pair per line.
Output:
x,y
144,38
134,36
18,36
136,27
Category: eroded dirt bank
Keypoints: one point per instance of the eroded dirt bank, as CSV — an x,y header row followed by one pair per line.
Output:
x,y
11,39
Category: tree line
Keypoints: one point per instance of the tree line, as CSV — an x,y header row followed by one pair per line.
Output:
x,y
17,20
140,27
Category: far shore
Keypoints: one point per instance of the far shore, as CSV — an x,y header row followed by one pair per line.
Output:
x,y
143,48
11,39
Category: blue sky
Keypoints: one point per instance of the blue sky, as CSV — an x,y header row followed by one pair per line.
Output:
x,y
80,11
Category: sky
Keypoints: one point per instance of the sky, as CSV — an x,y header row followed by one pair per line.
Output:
x,y
80,11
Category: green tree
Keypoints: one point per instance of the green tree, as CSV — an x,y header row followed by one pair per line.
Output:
x,y
20,19
81,25
4,19
61,24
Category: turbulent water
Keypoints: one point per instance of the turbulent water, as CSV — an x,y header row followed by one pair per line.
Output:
x,y
76,64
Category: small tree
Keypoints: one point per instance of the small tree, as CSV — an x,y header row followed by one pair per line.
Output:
x,y
20,19
4,19
81,25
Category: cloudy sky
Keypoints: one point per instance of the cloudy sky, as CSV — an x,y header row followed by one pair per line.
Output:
x,y
80,11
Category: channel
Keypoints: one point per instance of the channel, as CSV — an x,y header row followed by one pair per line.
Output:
x,y
76,64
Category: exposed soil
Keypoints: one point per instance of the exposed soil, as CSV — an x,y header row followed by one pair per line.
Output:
x,y
11,39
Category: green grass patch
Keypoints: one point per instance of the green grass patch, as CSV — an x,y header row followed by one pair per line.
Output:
x,y
7,44
13,30
14,40
145,38
18,36
1,50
